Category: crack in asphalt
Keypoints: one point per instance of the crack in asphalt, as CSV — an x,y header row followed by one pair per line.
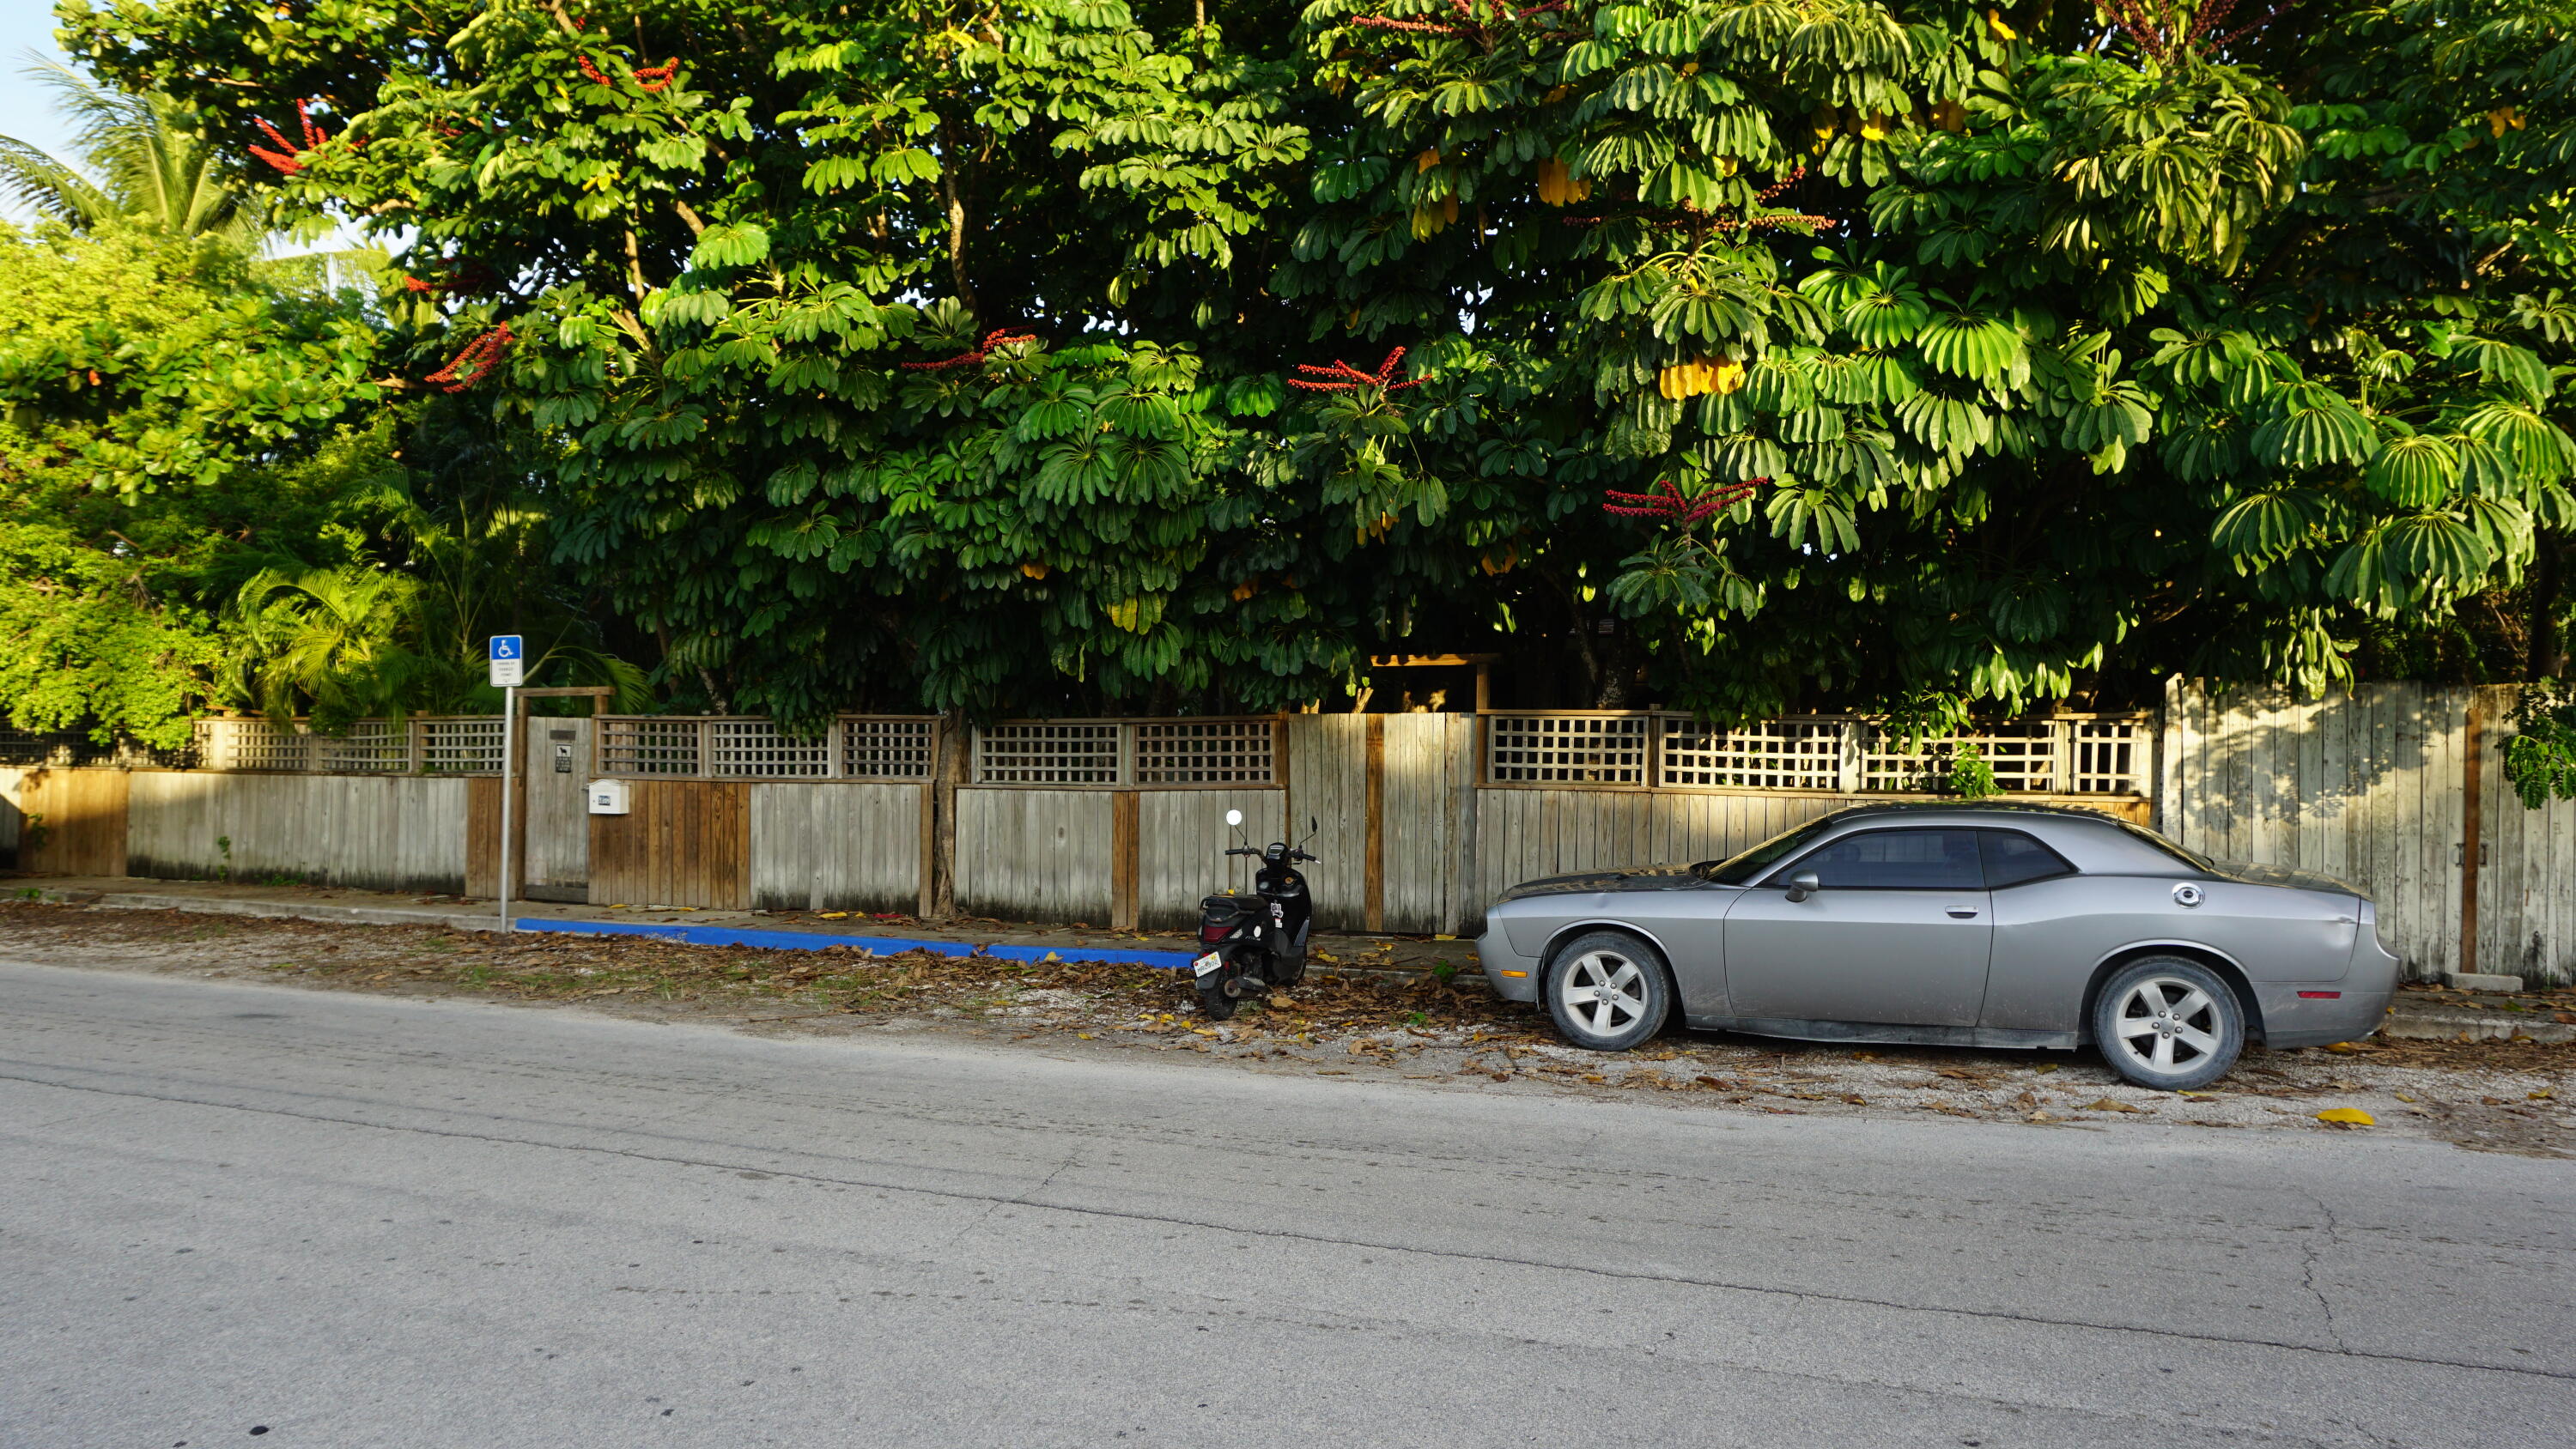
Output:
x,y
2310,1254
1027,1198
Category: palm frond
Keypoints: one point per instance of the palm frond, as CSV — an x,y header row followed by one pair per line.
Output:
x,y
50,187
150,167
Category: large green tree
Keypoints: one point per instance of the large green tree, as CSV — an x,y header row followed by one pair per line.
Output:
x,y
168,428
948,353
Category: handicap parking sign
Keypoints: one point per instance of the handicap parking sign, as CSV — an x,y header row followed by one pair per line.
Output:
x,y
509,661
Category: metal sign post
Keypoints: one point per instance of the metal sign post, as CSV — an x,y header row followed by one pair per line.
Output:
x,y
508,657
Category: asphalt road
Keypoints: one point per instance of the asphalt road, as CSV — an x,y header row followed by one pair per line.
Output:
x,y
357,1220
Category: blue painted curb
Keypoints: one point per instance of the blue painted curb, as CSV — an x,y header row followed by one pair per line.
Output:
x,y
816,941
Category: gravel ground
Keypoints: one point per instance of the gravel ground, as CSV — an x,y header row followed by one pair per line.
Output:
x,y
1346,1019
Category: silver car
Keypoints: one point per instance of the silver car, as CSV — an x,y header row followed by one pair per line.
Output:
x,y
1968,925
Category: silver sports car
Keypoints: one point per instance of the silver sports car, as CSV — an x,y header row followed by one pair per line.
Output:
x,y
1972,925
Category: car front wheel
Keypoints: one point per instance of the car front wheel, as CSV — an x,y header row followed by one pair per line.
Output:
x,y
2168,1023
1608,991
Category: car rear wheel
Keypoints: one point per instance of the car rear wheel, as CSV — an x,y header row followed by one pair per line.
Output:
x,y
2169,1023
1608,991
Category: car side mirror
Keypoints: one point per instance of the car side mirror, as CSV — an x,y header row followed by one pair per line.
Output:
x,y
1803,885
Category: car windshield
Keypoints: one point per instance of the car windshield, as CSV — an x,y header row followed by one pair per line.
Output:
x,y
1736,870
2185,854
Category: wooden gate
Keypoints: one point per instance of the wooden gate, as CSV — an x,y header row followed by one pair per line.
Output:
x,y
70,821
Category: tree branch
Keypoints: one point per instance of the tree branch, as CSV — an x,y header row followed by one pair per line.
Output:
x,y
956,221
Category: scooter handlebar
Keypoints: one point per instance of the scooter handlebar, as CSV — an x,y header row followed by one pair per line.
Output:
x,y
1241,850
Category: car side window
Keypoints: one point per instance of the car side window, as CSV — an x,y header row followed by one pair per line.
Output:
x,y
2012,858
1893,860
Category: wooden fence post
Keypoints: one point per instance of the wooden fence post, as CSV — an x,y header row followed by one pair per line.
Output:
x,y
1373,883
947,774
1123,860
2472,826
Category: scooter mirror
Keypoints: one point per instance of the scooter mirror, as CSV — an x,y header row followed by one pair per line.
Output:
x,y
1234,817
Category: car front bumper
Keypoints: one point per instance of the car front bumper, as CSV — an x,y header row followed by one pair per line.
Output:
x,y
1514,976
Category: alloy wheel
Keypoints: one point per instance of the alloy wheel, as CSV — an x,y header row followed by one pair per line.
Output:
x,y
2168,1024
1603,990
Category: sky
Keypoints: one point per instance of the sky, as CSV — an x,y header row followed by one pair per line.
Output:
x,y
26,108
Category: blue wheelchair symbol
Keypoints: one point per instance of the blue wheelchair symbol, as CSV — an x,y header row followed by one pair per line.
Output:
x,y
505,646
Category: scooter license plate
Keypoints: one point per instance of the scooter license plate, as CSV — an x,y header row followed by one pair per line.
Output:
x,y
1207,963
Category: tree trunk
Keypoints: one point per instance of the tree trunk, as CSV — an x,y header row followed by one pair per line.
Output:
x,y
2546,656
949,163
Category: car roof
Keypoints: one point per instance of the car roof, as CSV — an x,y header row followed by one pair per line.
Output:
x,y
1968,812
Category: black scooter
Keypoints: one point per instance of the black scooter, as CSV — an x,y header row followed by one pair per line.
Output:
x,y
1254,943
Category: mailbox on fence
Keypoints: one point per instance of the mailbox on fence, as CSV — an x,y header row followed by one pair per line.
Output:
x,y
607,797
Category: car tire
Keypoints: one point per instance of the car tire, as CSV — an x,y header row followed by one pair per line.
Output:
x,y
1608,991
2168,1022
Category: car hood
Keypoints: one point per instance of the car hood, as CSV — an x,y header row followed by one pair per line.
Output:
x,y
2274,875
1628,878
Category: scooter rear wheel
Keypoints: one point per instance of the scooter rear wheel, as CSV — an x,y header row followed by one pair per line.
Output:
x,y
1212,998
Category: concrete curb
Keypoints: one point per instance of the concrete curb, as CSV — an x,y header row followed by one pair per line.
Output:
x,y
279,910
656,930
882,945
2474,1026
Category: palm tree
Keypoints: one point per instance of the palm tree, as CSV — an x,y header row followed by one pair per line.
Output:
x,y
147,168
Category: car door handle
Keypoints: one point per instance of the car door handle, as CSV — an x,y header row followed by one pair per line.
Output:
x,y
1963,912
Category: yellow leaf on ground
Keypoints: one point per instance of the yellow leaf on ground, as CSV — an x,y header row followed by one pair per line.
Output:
x,y
2347,1117
836,915
2341,1046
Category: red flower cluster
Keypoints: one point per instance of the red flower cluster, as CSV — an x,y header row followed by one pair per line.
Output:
x,y
1468,24
288,158
1666,501
415,284
478,359
1786,218
998,337
1796,174
651,77
1342,377
2164,29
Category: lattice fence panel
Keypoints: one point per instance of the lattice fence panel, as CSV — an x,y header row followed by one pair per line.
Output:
x,y
1773,755
2111,756
648,747
34,747
464,745
1047,753
757,749
1206,752
886,749
371,747
253,744
1568,749
2023,758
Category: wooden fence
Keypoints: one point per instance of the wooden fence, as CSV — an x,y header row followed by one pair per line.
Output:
x,y
2398,788
1420,818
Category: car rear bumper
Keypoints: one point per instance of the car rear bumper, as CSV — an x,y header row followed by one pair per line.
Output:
x,y
2320,1013
2291,1019
1514,976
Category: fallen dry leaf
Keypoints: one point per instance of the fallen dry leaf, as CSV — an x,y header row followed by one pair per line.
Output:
x,y
2107,1105
2347,1117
